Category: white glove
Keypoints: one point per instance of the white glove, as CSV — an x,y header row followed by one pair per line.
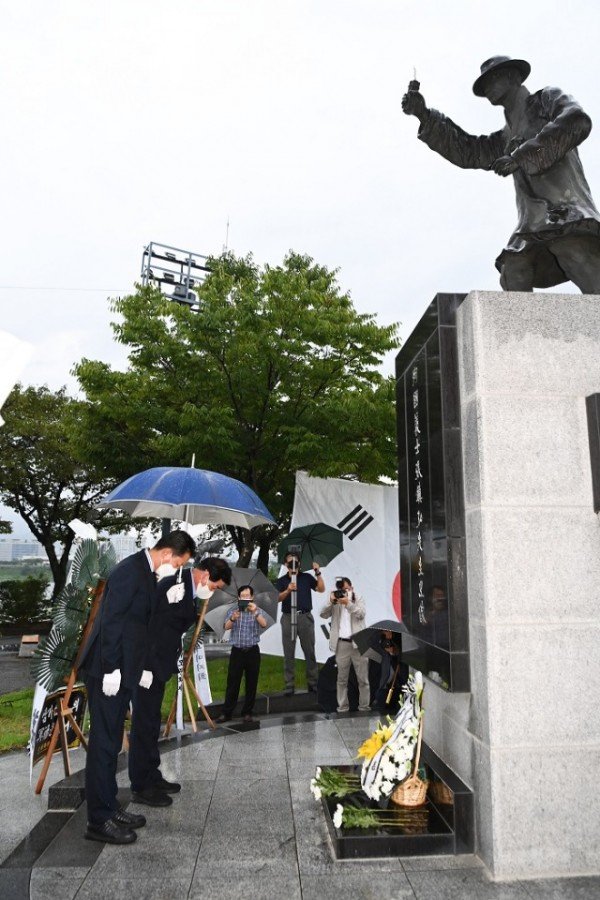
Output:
x,y
111,683
146,679
176,593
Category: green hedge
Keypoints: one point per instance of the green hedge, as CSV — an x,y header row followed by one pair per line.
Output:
x,y
24,601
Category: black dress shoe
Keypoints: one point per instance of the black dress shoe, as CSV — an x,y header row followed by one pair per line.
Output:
x,y
248,718
222,718
168,787
129,820
151,797
110,833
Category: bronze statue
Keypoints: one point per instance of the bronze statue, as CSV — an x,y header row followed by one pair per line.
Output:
x,y
557,238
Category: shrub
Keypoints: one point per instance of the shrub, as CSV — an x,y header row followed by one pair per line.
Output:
x,y
24,601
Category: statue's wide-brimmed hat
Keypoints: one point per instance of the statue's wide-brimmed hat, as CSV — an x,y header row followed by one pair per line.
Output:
x,y
499,62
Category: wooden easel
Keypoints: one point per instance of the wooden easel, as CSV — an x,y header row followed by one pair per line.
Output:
x,y
65,713
188,683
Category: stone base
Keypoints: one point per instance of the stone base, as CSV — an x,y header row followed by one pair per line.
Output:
x,y
442,825
527,737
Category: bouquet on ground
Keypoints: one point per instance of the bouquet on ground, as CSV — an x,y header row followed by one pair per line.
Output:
x,y
388,754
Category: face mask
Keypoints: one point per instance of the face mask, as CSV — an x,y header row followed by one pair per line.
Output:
x,y
165,569
203,592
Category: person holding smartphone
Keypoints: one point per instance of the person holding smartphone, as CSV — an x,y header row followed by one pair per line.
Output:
x,y
245,621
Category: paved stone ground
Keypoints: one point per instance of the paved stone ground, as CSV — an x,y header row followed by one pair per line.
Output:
x,y
245,825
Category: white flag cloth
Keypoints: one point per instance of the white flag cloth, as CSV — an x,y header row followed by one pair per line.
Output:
x,y
14,356
201,674
368,516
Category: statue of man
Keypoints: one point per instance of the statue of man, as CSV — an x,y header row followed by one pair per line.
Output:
x,y
557,237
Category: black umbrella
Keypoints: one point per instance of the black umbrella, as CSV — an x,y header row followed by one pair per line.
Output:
x,y
318,543
369,639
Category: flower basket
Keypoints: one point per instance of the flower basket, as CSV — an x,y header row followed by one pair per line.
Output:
x,y
413,790
441,793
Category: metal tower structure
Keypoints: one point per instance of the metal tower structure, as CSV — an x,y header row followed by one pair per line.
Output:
x,y
174,269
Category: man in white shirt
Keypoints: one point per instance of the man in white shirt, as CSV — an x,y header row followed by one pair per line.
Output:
x,y
346,609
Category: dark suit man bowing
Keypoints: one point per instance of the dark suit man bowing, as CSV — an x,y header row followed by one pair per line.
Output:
x,y
174,612
113,665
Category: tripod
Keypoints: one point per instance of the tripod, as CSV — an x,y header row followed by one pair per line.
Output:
x,y
187,681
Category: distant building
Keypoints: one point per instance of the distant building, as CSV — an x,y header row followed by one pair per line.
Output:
x,y
12,549
124,545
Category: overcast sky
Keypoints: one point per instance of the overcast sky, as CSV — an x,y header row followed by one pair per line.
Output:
x,y
126,121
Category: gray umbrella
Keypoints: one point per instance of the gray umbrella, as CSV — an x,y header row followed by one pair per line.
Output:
x,y
216,617
368,640
266,594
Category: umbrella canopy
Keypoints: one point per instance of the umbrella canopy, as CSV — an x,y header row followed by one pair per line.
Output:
x,y
319,543
368,639
266,596
216,619
195,496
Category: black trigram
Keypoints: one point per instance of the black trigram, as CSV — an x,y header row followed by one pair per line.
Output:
x,y
355,522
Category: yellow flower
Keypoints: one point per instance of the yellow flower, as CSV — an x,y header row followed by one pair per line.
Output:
x,y
373,745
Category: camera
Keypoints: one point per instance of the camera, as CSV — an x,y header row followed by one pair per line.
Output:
x,y
340,590
243,605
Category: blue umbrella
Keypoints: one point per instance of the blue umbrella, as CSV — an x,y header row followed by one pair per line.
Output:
x,y
191,495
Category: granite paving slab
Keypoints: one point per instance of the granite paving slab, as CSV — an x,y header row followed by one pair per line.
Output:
x,y
155,855
135,887
56,882
563,888
256,887
358,885
462,884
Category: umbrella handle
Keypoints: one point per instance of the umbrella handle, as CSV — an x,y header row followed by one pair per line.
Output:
x,y
390,693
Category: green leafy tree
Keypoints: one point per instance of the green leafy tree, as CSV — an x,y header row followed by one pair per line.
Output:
x,y
23,602
42,476
276,372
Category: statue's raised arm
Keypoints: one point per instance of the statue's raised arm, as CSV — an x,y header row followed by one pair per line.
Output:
x,y
557,238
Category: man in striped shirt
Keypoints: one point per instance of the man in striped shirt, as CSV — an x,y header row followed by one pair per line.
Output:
x,y
245,621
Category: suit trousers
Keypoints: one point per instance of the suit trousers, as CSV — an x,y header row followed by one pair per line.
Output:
x,y
107,719
244,662
346,654
306,634
144,757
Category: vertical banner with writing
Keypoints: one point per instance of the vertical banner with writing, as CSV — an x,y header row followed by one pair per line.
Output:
x,y
201,674
39,695
179,708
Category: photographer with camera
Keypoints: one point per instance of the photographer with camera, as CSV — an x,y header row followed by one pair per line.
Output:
x,y
346,610
303,583
245,621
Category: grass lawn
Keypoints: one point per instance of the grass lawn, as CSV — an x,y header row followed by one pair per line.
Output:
x,y
15,719
15,709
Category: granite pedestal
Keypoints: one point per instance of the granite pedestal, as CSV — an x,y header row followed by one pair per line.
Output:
x,y
526,737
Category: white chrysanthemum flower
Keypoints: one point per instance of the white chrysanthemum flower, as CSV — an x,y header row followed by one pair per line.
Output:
x,y
387,787
388,768
338,816
318,772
